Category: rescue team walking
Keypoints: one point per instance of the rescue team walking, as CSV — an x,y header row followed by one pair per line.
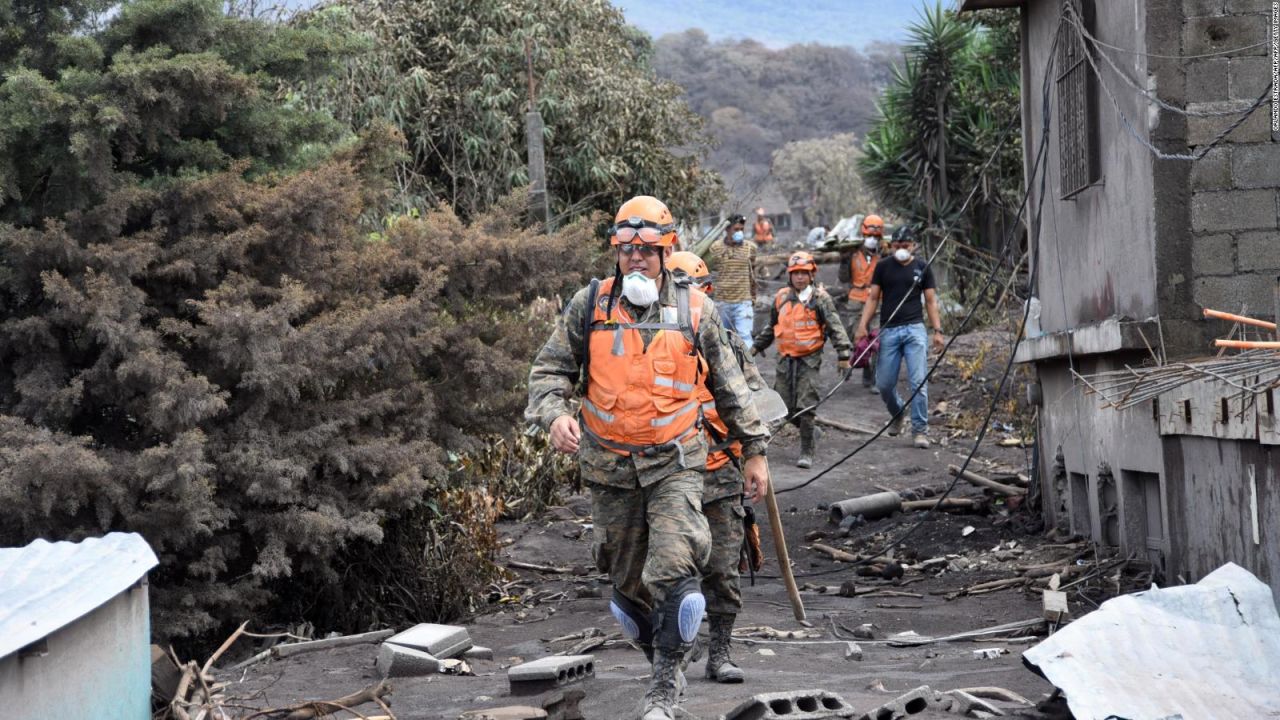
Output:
x,y
635,349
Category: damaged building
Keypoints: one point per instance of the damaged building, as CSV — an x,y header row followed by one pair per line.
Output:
x,y
1136,240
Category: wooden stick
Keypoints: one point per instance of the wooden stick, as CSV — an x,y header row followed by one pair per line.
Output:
x,y
980,481
780,545
843,426
946,504
320,708
287,649
1239,319
1248,344
226,644
534,566
834,553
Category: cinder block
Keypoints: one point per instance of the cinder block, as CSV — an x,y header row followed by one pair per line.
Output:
x,y
1253,289
1207,80
1202,35
563,705
1213,255
442,641
1213,171
794,705
397,661
1259,251
1202,130
1248,77
550,672
478,652
911,703
1197,8
1256,166
1248,7
509,712
1233,210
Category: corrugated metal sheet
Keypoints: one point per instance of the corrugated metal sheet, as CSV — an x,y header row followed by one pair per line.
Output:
x,y
1209,650
46,586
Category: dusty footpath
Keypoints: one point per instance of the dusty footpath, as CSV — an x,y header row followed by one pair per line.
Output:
x,y
539,613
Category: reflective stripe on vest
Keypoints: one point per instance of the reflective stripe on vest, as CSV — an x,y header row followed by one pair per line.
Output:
x,y
721,447
642,400
798,331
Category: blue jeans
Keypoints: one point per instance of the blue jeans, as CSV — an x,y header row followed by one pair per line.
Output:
x,y
739,317
912,343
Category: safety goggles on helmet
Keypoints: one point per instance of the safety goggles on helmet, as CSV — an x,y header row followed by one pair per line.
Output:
x,y
801,262
635,229
646,250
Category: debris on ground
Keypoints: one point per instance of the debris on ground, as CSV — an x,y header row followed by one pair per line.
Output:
x,y
550,672
793,705
1211,649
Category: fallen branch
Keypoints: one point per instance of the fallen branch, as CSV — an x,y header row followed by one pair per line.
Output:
x,y
834,553
843,426
985,587
922,640
321,708
534,566
976,479
289,649
944,504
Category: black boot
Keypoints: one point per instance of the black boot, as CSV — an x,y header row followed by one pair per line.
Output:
x,y
806,442
664,686
719,667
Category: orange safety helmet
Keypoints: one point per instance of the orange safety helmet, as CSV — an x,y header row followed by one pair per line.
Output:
x,y
872,225
643,220
688,263
801,261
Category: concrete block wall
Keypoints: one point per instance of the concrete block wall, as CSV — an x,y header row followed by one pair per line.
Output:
x,y
1235,189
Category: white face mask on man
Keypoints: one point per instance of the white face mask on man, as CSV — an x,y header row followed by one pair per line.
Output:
x,y
871,243
902,255
640,289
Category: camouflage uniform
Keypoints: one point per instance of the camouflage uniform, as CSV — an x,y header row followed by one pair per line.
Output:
x,y
796,378
650,533
851,314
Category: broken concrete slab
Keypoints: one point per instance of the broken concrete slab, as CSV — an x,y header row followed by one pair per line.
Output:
x,y
508,712
966,704
442,641
911,703
550,672
852,651
563,705
397,661
793,705
478,652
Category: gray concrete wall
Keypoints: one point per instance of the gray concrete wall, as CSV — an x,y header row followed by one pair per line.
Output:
x,y
98,667
1096,250
1216,217
1212,506
1097,446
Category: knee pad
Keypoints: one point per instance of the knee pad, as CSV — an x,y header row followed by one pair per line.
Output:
x,y
676,621
635,623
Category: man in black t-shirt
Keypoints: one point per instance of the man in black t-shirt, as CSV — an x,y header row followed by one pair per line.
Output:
x,y
897,286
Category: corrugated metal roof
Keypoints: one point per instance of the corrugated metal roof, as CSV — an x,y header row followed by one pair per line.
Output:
x,y
1209,650
46,586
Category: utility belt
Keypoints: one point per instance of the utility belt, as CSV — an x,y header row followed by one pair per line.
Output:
x,y
676,444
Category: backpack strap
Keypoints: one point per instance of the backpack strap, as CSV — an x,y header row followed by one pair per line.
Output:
x,y
593,291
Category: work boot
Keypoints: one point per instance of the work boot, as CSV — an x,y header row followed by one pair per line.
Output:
x,y
664,687
900,426
805,461
921,441
806,443
719,667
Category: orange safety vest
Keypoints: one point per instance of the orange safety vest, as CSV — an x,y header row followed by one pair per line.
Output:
x,y
763,231
860,271
717,432
798,331
642,400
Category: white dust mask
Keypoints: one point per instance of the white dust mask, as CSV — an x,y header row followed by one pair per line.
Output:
x,y
902,255
806,293
640,289
870,243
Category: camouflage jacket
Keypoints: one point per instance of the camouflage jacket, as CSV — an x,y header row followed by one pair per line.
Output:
x,y
558,366
833,328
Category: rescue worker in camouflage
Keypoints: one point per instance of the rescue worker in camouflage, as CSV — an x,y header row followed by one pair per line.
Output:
x,y
804,315
721,498
640,345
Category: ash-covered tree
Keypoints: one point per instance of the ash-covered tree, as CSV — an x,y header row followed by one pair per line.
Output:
x,y
822,174
199,340
454,77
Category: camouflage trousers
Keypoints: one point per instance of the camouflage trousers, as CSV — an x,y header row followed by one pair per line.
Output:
x,y
648,539
796,380
722,505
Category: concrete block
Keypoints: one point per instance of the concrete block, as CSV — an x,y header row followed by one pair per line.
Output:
x,y
443,641
1231,293
1213,255
852,651
1248,7
1255,166
965,704
397,661
793,705
1247,77
1197,8
1202,35
911,703
550,672
1233,210
478,652
1259,251
1213,171
509,712
1207,80
1202,130
563,705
